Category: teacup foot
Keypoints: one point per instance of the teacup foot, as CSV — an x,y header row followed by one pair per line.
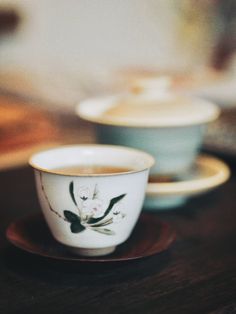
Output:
x,y
93,252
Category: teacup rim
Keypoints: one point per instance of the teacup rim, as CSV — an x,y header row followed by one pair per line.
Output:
x,y
149,158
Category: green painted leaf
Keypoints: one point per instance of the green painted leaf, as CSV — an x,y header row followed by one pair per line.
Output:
x,y
113,201
76,227
71,189
103,223
104,231
95,193
71,217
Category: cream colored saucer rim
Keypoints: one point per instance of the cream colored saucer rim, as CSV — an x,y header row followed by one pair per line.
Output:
x,y
221,173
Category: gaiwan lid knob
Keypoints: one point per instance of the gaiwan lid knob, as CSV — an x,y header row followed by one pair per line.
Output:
x,y
156,86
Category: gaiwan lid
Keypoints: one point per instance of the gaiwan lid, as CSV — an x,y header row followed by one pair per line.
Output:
x,y
149,104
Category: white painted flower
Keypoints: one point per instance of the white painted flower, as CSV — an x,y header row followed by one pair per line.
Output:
x,y
84,193
92,208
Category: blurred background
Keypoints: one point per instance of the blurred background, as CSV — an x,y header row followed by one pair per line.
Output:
x,y
54,53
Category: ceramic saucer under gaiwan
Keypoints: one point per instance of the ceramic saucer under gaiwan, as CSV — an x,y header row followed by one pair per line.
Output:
x,y
207,173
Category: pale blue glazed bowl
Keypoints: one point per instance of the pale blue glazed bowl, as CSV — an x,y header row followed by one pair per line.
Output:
x,y
174,149
172,137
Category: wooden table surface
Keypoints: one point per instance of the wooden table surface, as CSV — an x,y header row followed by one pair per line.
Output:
x,y
196,275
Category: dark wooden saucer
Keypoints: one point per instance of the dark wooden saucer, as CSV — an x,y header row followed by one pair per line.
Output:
x,y
150,236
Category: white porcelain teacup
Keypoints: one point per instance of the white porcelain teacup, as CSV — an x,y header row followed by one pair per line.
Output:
x,y
91,195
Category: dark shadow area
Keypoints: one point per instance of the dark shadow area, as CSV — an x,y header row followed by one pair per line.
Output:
x,y
72,272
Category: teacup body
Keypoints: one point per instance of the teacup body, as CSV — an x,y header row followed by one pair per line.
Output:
x,y
91,213
175,148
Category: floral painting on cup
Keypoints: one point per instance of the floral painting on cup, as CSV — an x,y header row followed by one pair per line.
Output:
x,y
91,212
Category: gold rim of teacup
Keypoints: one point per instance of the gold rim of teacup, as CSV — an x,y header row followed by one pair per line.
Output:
x,y
150,160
